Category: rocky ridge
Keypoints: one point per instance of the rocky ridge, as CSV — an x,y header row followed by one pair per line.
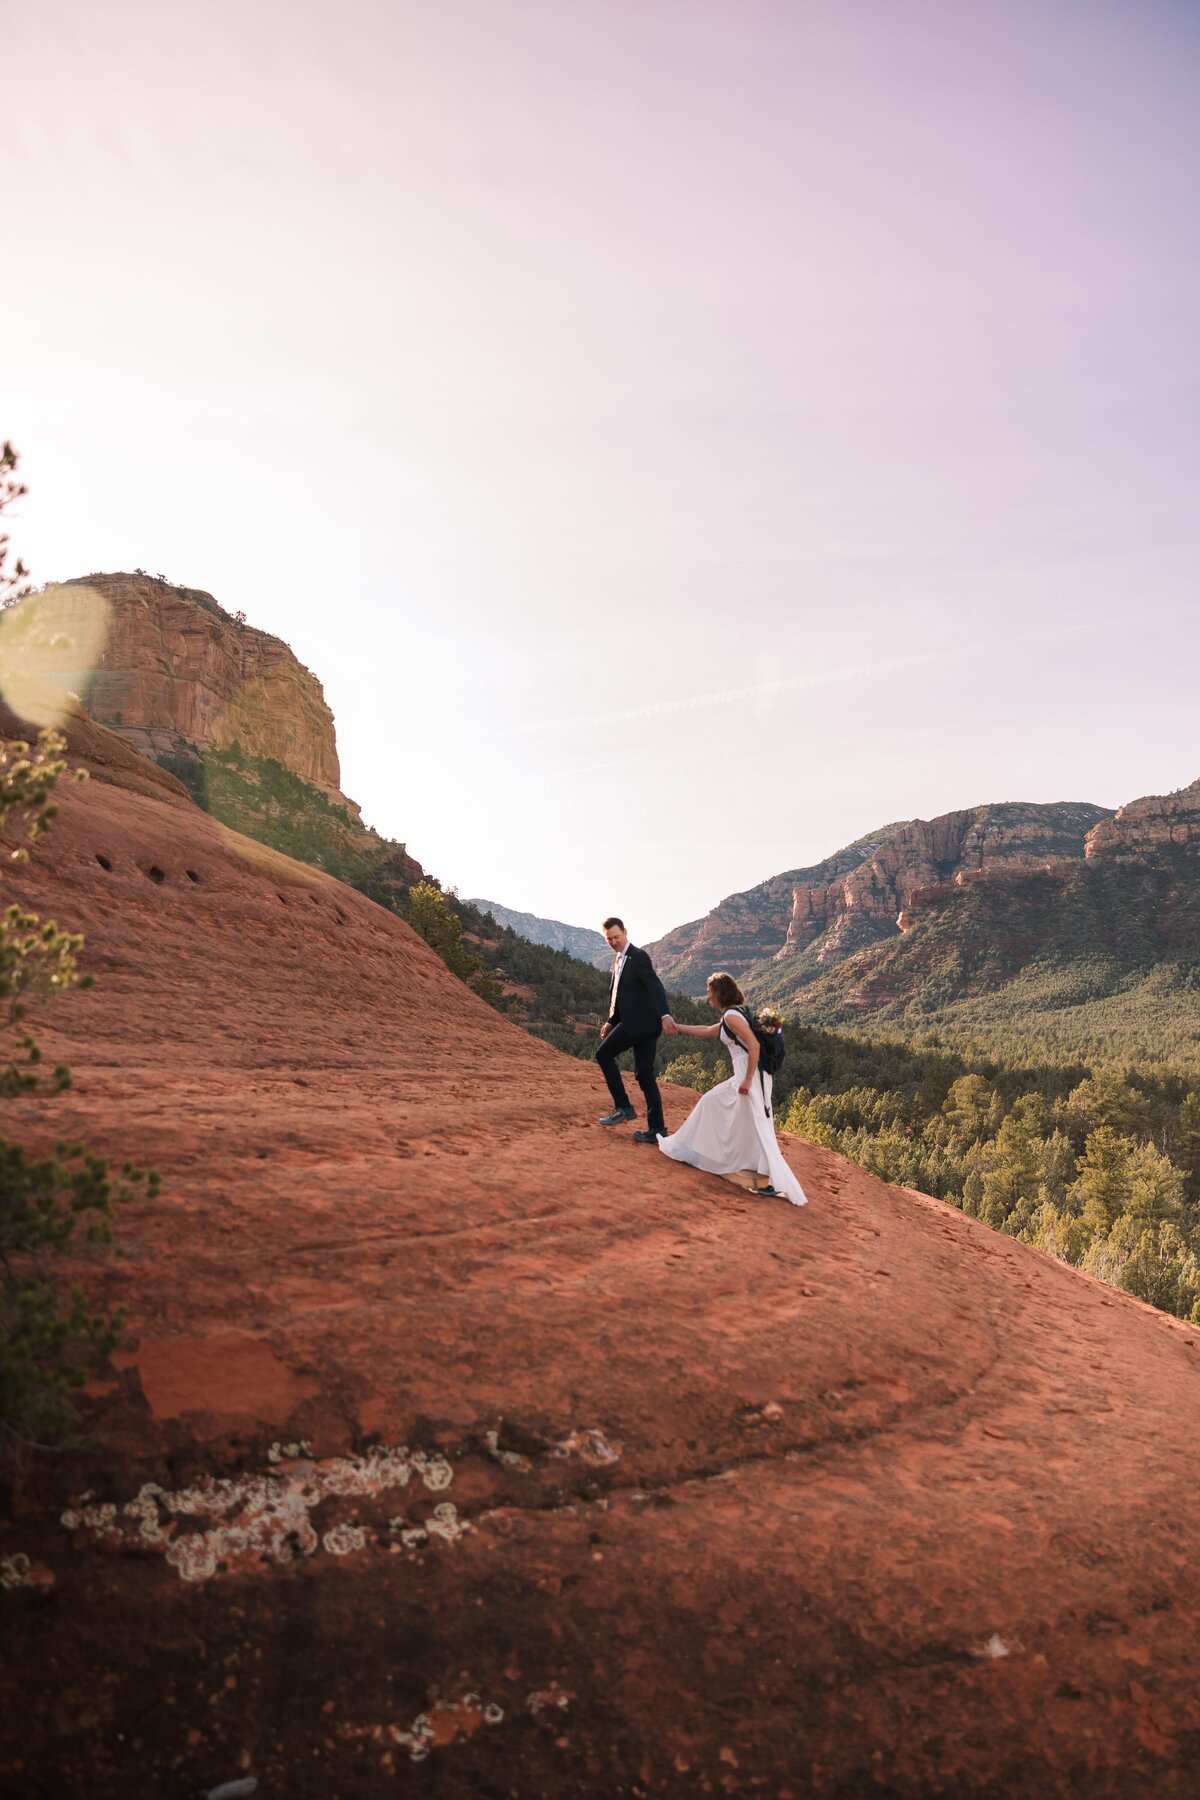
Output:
x,y
875,888
178,672
754,924
920,863
578,940
450,1429
1146,826
1094,955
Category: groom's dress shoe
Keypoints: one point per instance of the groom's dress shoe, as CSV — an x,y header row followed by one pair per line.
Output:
x,y
622,1116
648,1137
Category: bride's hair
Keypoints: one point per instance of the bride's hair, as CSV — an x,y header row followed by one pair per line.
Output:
x,y
725,990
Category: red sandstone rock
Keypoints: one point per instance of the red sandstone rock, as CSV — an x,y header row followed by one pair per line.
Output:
x,y
453,1429
920,864
175,666
1147,825
874,888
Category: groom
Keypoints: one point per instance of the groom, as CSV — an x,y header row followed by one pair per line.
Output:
x,y
638,1014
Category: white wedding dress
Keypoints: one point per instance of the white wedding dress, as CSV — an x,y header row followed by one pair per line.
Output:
x,y
727,1132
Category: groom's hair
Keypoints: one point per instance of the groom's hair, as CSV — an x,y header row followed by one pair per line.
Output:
x,y
619,923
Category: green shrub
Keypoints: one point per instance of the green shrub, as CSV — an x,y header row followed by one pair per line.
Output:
x,y
50,1205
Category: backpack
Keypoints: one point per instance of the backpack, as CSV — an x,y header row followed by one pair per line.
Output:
x,y
771,1049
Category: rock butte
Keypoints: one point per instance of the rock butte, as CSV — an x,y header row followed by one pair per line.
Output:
x,y
459,1443
175,670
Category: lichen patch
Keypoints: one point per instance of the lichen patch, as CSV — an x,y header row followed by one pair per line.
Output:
x,y
222,1525
590,1446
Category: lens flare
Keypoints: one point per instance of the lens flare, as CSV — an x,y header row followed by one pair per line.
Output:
x,y
50,647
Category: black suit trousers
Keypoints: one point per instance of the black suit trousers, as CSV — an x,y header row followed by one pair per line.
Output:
x,y
644,1051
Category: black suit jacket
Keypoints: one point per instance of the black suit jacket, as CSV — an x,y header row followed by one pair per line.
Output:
x,y
641,999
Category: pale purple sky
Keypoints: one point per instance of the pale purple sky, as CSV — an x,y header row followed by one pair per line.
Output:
x,y
680,436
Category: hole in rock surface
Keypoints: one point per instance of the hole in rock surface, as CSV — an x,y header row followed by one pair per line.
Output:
x,y
156,873
191,874
103,861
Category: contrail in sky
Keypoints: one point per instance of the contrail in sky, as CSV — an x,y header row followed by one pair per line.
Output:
x,y
755,691
760,690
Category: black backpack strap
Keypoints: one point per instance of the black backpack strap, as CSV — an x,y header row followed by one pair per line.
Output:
x,y
733,1034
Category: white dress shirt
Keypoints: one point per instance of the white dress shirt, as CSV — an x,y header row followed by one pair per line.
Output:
x,y
618,965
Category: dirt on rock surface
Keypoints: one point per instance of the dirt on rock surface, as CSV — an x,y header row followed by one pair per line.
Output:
x,y
460,1447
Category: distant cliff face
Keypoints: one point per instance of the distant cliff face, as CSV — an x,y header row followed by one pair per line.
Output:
x,y
1081,925
1147,825
589,946
176,671
752,925
874,888
917,865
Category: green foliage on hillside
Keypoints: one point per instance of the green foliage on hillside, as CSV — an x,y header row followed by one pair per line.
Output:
x,y
13,574
694,1070
50,1204
1101,962
551,993
260,798
1098,1164
431,915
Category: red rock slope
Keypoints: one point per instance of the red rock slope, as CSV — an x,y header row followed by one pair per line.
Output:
x,y
460,1447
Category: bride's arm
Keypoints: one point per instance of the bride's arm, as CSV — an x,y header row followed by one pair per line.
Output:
x,y
699,1030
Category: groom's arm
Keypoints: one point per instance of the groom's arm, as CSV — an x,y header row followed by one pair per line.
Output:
x,y
655,990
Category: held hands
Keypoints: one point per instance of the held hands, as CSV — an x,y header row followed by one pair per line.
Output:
x,y
670,1028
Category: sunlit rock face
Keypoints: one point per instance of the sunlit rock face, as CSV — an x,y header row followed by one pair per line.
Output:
x,y
921,863
874,888
1148,825
177,671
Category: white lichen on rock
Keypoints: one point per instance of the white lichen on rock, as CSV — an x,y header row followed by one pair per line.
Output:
x,y
435,1471
445,1720
289,1452
445,1522
343,1539
510,1459
216,1525
16,1571
543,1698
589,1445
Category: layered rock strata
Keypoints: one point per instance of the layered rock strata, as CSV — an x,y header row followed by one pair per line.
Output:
x,y
875,888
176,671
749,926
1145,826
923,862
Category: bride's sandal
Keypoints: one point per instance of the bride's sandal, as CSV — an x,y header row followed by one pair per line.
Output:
x,y
767,1193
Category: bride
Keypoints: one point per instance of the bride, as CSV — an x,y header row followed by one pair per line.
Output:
x,y
731,1130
